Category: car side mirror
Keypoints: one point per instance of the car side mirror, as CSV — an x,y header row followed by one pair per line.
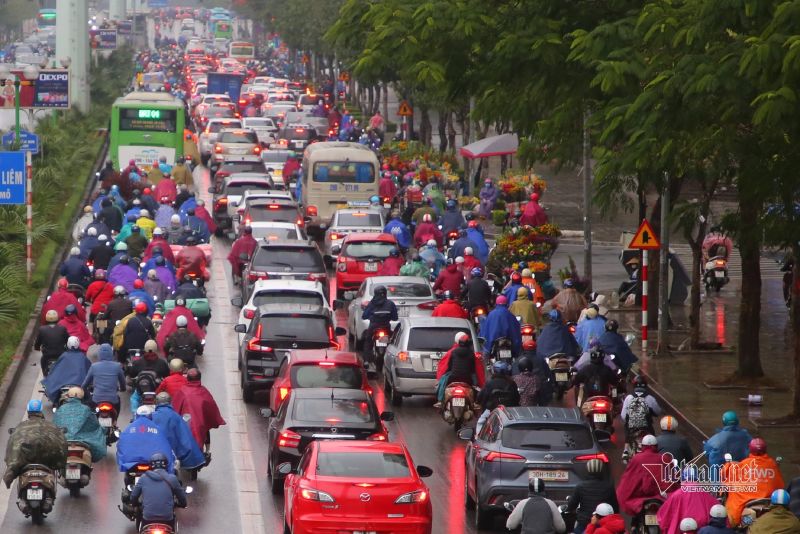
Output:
x,y
240,328
340,331
285,468
387,416
10,430
237,217
237,301
424,471
266,413
466,433
335,249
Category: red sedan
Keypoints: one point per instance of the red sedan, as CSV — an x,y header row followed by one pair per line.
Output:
x,y
357,486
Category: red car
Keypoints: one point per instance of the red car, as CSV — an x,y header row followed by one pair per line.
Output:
x,y
360,257
318,369
356,486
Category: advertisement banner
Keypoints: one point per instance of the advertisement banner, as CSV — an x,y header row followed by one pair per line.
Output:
x,y
49,90
124,27
104,39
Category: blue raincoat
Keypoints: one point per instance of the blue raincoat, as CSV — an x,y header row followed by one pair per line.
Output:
x,y
151,264
731,439
70,369
180,437
199,227
433,258
482,247
554,338
139,441
501,323
164,215
460,245
400,231
134,212
82,425
511,293
189,203
141,294
123,275
86,244
97,205
590,329
613,343
452,219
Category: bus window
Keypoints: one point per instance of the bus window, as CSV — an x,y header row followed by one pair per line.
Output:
x,y
362,173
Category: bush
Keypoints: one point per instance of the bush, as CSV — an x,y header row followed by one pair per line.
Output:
x,y
499,217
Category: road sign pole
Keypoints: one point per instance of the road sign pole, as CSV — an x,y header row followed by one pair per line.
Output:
x,y
29,214
405,128
645,254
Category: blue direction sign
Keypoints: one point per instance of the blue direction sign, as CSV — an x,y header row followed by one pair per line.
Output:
x,y
12,178
29,142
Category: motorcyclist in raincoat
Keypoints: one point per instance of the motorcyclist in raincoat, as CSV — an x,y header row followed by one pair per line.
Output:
x,y
533,214
60,299
693,501
140,440
452,218
391,265
731,439
399,230
246,244
475,234
461,245
123,274
569,302
70,369
556,338
613,343
591,328
642,479
196,401
177,432
758,470
77,328
415,267
34,441
500,322
81,424
432,257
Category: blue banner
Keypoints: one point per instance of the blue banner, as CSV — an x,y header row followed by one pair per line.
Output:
x,y
12,178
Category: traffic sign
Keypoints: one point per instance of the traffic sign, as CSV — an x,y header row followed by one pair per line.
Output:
x,y
405,110
12,178
29,142
645,238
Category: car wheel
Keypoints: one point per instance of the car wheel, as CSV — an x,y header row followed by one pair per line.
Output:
x,y
276,484
286,529
395,397
469,502
247,391
482,517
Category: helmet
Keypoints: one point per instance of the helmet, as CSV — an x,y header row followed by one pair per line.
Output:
x,y
612,325
427,218
379,291
639,381
51,316
88,209
138,283
248,229
163,398
150,345
516,278
73,343
191,240
688,525
152,274
524,364
75,392
536,485
91,231
100,274
144,213
459,260
140,307
394,253
193,375
719,511
158,231
181,321
596,355
462,232
595,466
450,203
501,368
529,345
145,410
160,261
135,229
450,261
554,316
469,216
758,446
374,199
176,365
175,219
447,295
522,292
780,496
501,300
526,273
477,272
119,291
603,509
74,251
34,406
669,423
124,260
158,251
431,243
568,283
122,245
730,418
468,251
70,309
180,301
649,440
158,461
463,339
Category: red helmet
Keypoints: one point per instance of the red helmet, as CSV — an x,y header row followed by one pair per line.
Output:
x,y
758,446
473,224
535,196
62,283
146,191
138,284
141,307
516,277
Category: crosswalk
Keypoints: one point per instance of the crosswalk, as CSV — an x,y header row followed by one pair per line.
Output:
x,y
770,269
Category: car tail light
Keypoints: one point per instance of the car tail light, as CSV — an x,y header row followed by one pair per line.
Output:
x,y
316,277
289,439
218,149
335,236
326,364
341,266
402,356
257,275
586,457
378,436
242,101
315,495
300,222
283,392
430,305
255,342
256,150
249,313
332,338
273,207
412,497
495,456
311,211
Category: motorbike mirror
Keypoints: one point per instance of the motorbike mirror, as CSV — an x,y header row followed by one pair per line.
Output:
x,y
240,328
266,413
130,487
116,433
612,356
629,339
339,331
424,471
481,340
562,508
189,490
728,457
508,506
237,301
387,416
778,459
285,468
466,433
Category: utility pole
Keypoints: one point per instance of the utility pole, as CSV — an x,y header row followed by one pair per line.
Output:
x,y
587,200
663,274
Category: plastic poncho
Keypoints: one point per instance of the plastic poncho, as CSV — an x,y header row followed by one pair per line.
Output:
x,y
641,481
147,225
164,215
58,301
433,258
779,520
86,244
613,343
460,246
415,268
180,437
166,251
452,219
123,275
510,292
82,425
731,439
76,327
69,370
189,203
437,198
156,289
526,310
36,441
167,278
482,250
555,337
400,231
169,325
202,213
588,330
759,470
689,502
196,402
142,295
488,196
139,441
500,322
124,233
570,303
533,214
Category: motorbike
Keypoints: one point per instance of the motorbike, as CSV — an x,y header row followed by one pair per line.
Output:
x,y
561,366
452,235
599,410
101,331
646,521
380,340
716,273
107,417
129,509
36,492
459,404
753,509
528,333
78,471
478,315
501,350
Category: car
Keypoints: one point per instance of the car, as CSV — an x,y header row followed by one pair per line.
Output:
x,y
237,142
264,128
236,164
208,136
209,99
517,444
277,230
297,136
265,292
309,100
287,260
237,205
334,480
269,210
221,110
347,221
333,369
270,338
275,159
277,111
360,257
310,414
413,296
416,346
231,191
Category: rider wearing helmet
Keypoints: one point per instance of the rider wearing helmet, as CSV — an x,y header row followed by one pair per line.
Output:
x,y
525,309
475,233
70,369
397,228
511,291
178,432
569,302
717,521
470,263
758,471
391,265
427,230
592,493
732,439
426,209
80,423
536,513
158,491
51,340
637,413
779,518
596,378
76,327
432,257
380,312
461,244
450,279
479,293
613,343
688,526
460,364
501,323
499,390
450,307
669,441
556,338
638,484
692,501
74,268
452,218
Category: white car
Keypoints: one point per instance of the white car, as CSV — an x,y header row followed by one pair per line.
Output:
x,y
208,137
238,205
347,221
279,292
264,127
413,296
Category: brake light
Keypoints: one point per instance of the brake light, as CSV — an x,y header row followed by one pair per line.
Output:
x,y
601,404
256,150
105,407
249,313
720,263
412,497
311,211
314,495
289,439
327,364
142,467
527,330
299,130
218,149
242,101
75,453
479,311
430,305
335,236
255,342
283,392
572,329
586,457
257,275
378,436
300,222
273,207
402,356
459,392
495,456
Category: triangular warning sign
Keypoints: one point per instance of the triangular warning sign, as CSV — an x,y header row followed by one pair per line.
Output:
x,y
645,238
405,109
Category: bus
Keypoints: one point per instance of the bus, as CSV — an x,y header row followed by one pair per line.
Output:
x,y
223,29
336,174
45,18
146,126
241,51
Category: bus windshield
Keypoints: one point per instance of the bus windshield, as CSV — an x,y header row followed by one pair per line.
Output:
x,y
362,172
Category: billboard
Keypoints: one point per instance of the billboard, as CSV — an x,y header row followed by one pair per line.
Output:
x,y
49,90
103,39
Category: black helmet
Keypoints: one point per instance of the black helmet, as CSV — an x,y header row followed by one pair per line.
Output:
x,y
612,325
70,309
525,364
157,250
158,461
248,229
469,216
135,229
536,486
447,295
191,240
161,261
639,382
379,291
596,355
180,301
462,232
124,260
394,253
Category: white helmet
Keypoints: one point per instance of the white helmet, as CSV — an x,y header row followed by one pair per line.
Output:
x,y
719,511
603,509
427,218
91,231
175,219
157,231
73,343
468,251
460,259
649,440
688,525
75,251
144,213
181,321
669,423
145,410
431,243
101,237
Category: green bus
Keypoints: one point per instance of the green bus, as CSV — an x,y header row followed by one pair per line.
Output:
x,y
45,18
223,29
146,126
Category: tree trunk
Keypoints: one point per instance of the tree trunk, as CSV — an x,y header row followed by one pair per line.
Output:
x,y
442,127
694,300
377,104
451,131
385,101
425,126
750,310
796,329
464,123
370,101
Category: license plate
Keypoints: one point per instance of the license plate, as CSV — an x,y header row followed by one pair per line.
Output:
x,y
651,520
459,401
35,494
269,372
600,418
719,274
364,532
73,474
402,311
238,151
371,267
380,343
105,422
525,339
505,353
614,392
553,476
562,377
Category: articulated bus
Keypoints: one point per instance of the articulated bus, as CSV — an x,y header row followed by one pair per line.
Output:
x,y
146,126
46,17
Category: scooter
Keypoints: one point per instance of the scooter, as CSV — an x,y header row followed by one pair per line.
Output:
x,y
36,491
380,340
78,471
561,366
528,333
716,273
646,521
107,417
568,517
478,315
459,405
599,411
501,350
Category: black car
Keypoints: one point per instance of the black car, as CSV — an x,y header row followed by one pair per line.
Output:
x,y
270,339
287,260
309,414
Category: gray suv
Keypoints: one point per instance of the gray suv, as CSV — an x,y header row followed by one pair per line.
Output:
x,y
517,444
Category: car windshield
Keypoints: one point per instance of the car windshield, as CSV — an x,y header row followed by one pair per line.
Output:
x,y
358,465
273,234
272,213
368,249
547,437
238,188
339,172
287,297
326,376
409,290
432,339
215,127
243,166
258,123
295,326
220,112
238,137
359,219
288,259
272,156
332,410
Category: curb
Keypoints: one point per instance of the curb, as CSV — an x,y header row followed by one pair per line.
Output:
x,y
691,430
23,351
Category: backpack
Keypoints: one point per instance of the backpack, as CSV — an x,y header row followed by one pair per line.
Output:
x,y
638,414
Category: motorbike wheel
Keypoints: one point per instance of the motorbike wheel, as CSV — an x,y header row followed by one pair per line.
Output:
x,y
193,474
482,518
379,363
75,491
37,516
457,424
559,393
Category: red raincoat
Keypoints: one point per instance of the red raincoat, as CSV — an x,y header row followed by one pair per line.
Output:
x,y
610,524
244,245
166,188
426,231
60,299
480,372
450,308
163,244
191,260
76,327
202,213
642,480
387,189
99,294
533,215
172,384
692,503
168,325
449,279
391,266
194,399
